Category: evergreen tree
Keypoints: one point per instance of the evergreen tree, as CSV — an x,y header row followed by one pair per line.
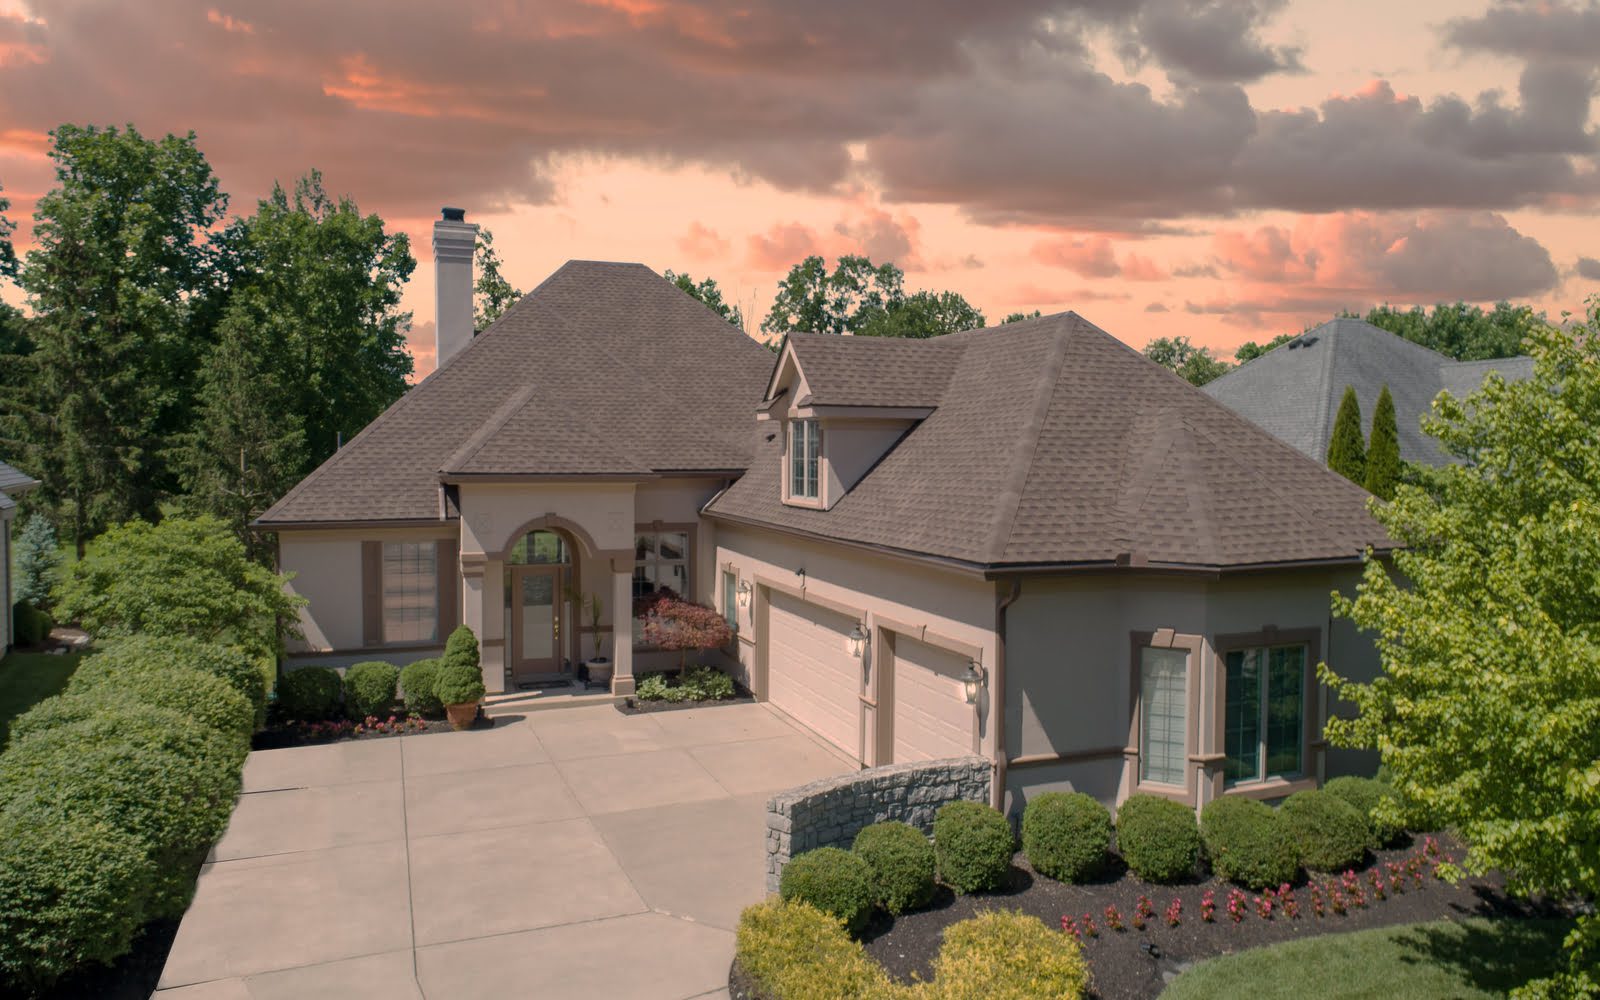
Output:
x,y
38,562
1347,452
1383,452
8,254
492,293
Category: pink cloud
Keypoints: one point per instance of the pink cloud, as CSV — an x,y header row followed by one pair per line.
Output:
x,y
702,243
1089,258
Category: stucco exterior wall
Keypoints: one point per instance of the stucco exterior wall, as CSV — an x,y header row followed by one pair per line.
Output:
x,y
325,567
8,636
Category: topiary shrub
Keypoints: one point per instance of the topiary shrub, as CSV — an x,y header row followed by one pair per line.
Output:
x,y
794,951
461,647
901,862
1005,955
1328,832
417,682
1065,835
165,779
834,881
369,688
1158,838
1365,795
240,669
458,683
73,891
1248,842
310,694
972,845
204,698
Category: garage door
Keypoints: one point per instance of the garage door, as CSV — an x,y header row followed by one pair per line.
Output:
x,y
810,672
932,719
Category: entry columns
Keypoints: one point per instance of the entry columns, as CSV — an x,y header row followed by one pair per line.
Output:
x,y
622,626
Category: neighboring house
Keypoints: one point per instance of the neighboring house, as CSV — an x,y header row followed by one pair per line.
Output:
x,y
13,483
1294,389
1027,542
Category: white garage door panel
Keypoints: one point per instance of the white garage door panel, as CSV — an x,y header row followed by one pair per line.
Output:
x,y
932,719
810,672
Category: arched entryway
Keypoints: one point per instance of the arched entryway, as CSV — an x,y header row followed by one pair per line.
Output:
x,y
540,577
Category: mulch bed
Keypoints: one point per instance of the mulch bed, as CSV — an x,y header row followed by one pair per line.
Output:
x,y
280,734
1134,964
633,706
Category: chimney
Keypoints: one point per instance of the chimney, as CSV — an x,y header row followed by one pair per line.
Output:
x,y
454,240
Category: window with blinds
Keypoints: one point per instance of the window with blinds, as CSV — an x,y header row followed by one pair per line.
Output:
x,y
1164,714
410,592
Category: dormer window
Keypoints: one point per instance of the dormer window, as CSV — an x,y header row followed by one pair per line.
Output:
x,y
805,448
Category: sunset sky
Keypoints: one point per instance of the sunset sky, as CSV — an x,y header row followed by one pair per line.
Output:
x,y
1217,169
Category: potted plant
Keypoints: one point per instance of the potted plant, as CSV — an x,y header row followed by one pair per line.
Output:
x,y
460,688
599,666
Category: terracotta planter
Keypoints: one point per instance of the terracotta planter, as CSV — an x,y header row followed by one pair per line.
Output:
x,y
461,716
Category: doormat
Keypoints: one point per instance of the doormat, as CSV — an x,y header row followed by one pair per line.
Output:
x,y
541,685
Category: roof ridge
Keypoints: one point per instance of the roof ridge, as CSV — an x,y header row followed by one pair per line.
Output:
x,y
1009,499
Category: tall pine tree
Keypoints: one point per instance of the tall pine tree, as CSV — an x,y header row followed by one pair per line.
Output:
x,y
1347,451
1383,452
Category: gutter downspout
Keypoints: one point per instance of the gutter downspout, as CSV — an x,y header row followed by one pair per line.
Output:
x,y
997,692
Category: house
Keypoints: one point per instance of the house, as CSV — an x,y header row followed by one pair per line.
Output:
x,y
1026,542
1295,389
13,483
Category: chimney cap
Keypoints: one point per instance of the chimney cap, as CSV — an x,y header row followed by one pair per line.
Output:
x,y
454,214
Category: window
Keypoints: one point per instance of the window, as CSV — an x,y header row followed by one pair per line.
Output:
x,y
1164,715
660,560
730,599
805,447
410,592
1264,718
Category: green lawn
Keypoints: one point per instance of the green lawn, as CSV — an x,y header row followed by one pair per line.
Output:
x,y
1467,960
29,678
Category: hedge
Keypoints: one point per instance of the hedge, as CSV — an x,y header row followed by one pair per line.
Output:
x,y
1066,835
901,863
1248,842
1328,832
30,626
204,698
310,694
1158,838
972,845
417,682
1000,955
1366,795
834,881
369,688
239,668
794,951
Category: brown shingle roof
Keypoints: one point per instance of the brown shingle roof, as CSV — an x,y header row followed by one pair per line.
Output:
x,y
1054,443
873,371
603,369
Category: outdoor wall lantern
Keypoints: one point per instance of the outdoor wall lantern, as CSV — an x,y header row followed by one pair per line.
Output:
x,y
858,641
744,593
972,681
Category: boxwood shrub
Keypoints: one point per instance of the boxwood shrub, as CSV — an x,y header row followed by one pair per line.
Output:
x,y
795,951
1158,838
204,698
159,776
73,891
1066,835
310,694
901,863
834,881
30,626
1328,832
369,688
239,668
417,682
1003,955
1248,842
1365,795
972,846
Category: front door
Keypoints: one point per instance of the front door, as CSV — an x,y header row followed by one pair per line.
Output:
x,y
535,622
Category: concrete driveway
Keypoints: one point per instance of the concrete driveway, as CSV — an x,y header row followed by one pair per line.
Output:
x,y
567,853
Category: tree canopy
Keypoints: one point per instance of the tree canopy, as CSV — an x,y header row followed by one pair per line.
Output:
x,y
1487,712
492,294
1461,331
709,295
863,298
1018,317
8,252
1196,365
1347,446
1250,350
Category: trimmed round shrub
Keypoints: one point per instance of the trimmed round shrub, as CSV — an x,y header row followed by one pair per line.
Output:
x,y
240,669
1328,832
834,881
458,683
1365,795
1006,955
73,892
417,682
901,863
1248,843
204,698
1158,838
461,647
369,688
972,846
160,777
1066,835
29,625
797,951
310,694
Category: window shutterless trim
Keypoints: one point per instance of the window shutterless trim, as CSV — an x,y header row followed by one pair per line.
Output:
x,y
1310,723
1133,753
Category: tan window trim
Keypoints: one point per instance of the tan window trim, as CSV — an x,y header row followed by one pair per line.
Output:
x,y
1194,645
1272,786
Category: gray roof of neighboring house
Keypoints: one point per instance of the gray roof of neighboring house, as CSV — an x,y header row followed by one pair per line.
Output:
x,y
1052,443
1294,390
604,369
14,480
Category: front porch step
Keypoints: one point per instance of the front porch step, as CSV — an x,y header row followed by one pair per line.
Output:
x,y
517,702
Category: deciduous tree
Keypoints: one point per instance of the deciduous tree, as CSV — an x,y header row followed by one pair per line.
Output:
x,y
8,252
1347,448
1250,350
709,295
1462,331
923,314
492,293
1196,365
1383,450
1018,317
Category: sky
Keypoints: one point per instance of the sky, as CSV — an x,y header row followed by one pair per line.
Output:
x,y
1224,170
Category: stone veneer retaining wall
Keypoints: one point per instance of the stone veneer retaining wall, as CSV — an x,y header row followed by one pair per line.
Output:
x,y
830,812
